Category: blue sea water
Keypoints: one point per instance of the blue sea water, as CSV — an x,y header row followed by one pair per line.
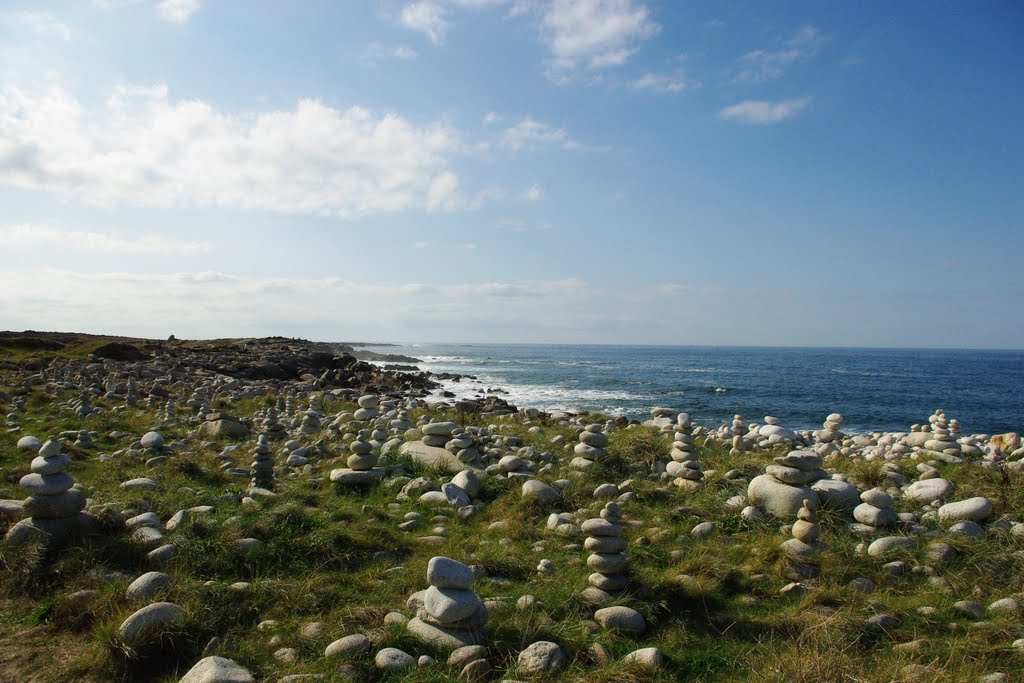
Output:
x,y
874,389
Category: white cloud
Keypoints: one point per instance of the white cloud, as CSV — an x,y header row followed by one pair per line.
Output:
x,y
594,33
428,17
663,83
207,304
378,52
763,112
533,193
144,149
491,118
177,11
32,235
531,134
765,65
43,24
421,244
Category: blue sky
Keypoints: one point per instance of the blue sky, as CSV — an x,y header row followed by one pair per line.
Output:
x,y
589,171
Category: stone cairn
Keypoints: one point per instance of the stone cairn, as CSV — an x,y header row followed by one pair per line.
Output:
x,y
591,447
272,426
131,394
942,441
311,419
168,414
400,424
662,418
786,483
54,507
437,434
379,433
607,558
262,464
684,466
875,512
367,408
739,432
83,407
84,440
805,530
831,429
362,464
463,446
448,614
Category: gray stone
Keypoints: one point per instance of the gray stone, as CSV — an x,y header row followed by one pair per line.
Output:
x,y
47,485
348,646
150,618
152,440
59,506
974,509
866,513
927,490
648,658
440,637
217,670
444,572
29,443
778,499
600,527
888,544
621,618
462,656
450,605
140,483
836,494
541,657
147,585
541,491
52,465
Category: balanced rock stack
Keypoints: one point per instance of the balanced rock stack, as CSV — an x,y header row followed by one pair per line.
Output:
x,y
310,421
367,407
662,419
942,441
831,429
806,531
607,549
262,464
684,466
875,512
362,464
739,435
400,423
84,440
272,427
437,434
784,486
449,614
84,407
131,394
379,434
591,447
463,446
54,507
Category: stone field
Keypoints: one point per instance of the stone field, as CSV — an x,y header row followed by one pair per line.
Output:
x,y
277,510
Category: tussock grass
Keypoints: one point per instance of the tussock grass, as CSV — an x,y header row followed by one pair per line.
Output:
x,y
712,605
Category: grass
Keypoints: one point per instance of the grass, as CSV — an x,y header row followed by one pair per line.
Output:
x,y
712,606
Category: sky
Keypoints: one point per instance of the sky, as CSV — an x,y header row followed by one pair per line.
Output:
x,y
569,171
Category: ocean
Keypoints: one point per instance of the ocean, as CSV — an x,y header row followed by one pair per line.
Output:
x,y
874,389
